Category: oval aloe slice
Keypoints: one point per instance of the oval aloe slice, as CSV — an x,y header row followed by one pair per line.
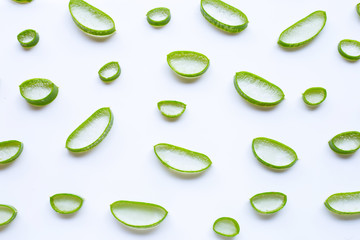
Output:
x,y
66,203
226,226
303,31
257,90
268,202
171,109
138,214
91,132
314,96
158,17
90,19
344,203
273,154
7,214
28,38
39,91
110,71
346,142
349,49
224,16
9,151
181,159
188,64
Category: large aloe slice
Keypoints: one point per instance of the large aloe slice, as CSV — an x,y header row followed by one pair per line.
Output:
x,y
9,151
346,142
187,63
344,203
66,203
7,214
268,202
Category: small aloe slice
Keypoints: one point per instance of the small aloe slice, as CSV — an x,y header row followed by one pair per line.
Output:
x,y
22,1
39,91
273,154
314,96
7,214
268,202
28,38
110,71
303,31
90,19
181,159
223,16
226,226
344,203
91,132
358,8
171,109
138,214
349,49
158,17
346,142
9,151
187,63
66,203
257,90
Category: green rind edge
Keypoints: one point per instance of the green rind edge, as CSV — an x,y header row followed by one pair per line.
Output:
x,y
233,221
171,101
358,8
159,23
269,193
16,155
327,205
33,42
338,150
188,75
13,215
314,88
344,54
43,101
111,78
81,200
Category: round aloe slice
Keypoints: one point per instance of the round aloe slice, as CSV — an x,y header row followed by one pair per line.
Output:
x,y
110,71
90,19
28,38
138,214
158,17
346,142
223,16
314,96
91,132
39,91
268,202
181,159
9,151
344,203
303,31
257,90
187,63
273,154
66,203
349,49
171,109
226,226
7,214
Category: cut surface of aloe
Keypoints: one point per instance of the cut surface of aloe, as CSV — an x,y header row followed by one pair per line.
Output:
x,y
90,19
303,31
181,159
349,49
110,71
226,226
91,132
257,90
223,16
7,214
39,91
346,142
66,203
9,151
314,96
187,63
171,109
344,203
268,202
138,214
273,154
158,17
28,38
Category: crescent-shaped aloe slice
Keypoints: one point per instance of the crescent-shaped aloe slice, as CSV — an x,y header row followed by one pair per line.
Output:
x,y
257,90
28,38
138,214
224,16
226,226
7,214
171,109
158,17
187,63
66,203
314,96
110,71
273,154
91,132
344,203
181,159
39,91
9,151
90,19
268,202
346,142
303,31
349,49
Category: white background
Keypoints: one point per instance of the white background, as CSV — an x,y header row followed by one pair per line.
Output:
x,y
217,122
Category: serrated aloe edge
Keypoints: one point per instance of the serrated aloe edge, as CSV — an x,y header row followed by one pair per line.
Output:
x,y
91,132
140,215
344,203
28,38
226,226
38,91
10,151
188,64
66,203
110,71
7,214
171,108
268,202
314,96
346,142
349,49
158,17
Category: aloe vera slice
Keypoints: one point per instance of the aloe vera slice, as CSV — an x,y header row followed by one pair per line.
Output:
x,y
66,203
187,63
268,202
181,159
28,38
138,214
223,16
22,1
9,151
314,96
90,19
358,8
171,109
346,142
257,90
7,214
226,226
344,203
39,91
158,17
110,71
349,49
91,132
273,154
303,31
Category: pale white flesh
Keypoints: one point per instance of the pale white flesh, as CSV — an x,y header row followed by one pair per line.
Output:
x,y
37,91
187,64
109,70
26,38
268,202
158,15
273,153
226,227
347,142
5,214
7,152
350,48
89,18
222,14
171,109
314,97
345,203
66,203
